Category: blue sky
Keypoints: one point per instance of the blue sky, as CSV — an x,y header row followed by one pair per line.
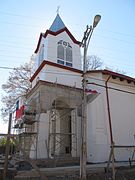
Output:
x,y
22,21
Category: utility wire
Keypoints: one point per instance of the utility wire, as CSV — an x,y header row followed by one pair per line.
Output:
x,y
115,39
33,18
112,88
24,16
69,74
2,67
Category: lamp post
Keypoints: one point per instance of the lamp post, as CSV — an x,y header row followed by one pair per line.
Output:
x,y
85,43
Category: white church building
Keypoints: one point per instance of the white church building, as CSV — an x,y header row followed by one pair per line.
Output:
x,y
51,124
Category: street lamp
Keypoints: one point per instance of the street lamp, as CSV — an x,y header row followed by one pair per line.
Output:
x,y
96,20
85,43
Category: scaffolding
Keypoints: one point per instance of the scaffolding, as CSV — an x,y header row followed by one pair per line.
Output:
x,y
62,143
61,103
62,138
27,129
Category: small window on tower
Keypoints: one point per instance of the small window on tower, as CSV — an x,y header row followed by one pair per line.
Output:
x,y
41,54
69,56
60,52
64,53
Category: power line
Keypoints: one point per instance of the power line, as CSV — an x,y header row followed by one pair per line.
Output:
x,y
2,67
100,47
130,67
35,17
119,33
112,49
24,16
120,40
101,36
24,47
91,77
9,42
23,37
14,56
116,89
27,43
24,25
71,74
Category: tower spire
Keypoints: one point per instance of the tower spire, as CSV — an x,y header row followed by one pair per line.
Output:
x,y
57,23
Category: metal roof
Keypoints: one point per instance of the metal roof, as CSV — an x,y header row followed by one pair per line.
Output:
x,y
57,24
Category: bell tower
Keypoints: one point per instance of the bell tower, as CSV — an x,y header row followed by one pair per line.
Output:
x,y
59,46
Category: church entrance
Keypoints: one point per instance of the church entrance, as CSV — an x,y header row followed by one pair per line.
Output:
x,y
60,135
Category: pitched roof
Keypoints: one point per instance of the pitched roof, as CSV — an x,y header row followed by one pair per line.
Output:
x,y
55,34
114,75
57,24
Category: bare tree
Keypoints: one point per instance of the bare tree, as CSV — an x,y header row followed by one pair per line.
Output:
x,y
94,62
18,84
116,70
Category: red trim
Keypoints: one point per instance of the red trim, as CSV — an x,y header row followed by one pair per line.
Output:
x,y
37,71
91,91
53,64
40,37
55,34
114,74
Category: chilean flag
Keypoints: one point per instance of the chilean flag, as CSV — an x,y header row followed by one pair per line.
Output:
x,y
91,95
19,109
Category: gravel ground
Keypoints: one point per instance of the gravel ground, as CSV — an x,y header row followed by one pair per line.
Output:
x,y
121,174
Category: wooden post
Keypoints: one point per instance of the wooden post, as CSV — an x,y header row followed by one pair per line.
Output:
x,y
7,148
109,161
113,165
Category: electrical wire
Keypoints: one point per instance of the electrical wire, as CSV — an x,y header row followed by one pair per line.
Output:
x,y
71,74
2,67
24,16
116,89
39,18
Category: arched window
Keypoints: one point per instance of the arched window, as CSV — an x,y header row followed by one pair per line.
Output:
x,y
41,54
60,52
69,56
64,53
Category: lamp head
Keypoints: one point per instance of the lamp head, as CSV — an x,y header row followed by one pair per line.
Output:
x,y
96,20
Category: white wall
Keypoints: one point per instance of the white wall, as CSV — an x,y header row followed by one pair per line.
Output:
x,y
43,135
122,118
62,76
97,131
59,75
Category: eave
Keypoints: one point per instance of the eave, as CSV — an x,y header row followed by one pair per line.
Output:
x,y
55,34
45,62
114,75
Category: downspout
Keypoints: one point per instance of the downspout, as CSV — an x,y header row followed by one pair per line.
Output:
x,y
108,110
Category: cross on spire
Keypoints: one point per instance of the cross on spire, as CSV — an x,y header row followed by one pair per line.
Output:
x,y
58,8
57,23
